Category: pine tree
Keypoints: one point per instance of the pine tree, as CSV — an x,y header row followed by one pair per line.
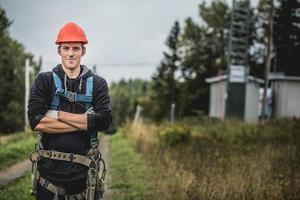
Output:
x,y
259,38
165,82
287,38
204,55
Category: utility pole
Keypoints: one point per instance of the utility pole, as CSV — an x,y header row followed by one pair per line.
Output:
x,y
27,70
172,112
268,60
137,115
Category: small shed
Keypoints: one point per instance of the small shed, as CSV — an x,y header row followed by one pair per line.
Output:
x,y
217,97
286,95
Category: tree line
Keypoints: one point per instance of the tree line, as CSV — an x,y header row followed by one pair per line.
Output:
x,y
199,51
12,79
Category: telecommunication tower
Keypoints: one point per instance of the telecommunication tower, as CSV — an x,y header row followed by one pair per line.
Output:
x,y
238,65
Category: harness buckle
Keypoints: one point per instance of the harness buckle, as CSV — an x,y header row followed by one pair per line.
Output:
x,y
34,156
71,96
59,91
49,154
71,157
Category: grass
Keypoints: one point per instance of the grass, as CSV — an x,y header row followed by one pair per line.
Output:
x,y
18,190
130,173
219,160
223,160
4,139
15,149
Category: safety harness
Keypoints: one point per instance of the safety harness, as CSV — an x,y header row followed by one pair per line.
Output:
x,y
93,159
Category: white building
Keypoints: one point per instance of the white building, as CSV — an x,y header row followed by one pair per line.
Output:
x,y
217,97
286,95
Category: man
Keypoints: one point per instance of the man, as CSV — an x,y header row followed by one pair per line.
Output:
x,y
68,106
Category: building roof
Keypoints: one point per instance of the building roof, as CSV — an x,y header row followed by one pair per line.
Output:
x,y
282,77
224,77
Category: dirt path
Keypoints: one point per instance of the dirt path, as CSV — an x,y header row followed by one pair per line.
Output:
x,y
5,138
105,152
12,173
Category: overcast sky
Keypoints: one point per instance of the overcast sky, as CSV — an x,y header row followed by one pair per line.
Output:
x,y
120,32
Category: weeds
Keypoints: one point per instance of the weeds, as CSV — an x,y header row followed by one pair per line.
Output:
x,y
224,160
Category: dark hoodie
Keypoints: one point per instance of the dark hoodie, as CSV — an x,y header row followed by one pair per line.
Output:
x,y
41,95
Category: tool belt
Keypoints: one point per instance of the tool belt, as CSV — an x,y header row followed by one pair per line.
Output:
x,y
95,182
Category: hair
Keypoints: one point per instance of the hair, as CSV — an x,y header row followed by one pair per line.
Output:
x,y
82,46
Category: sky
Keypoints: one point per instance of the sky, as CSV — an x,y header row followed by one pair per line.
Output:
x,y
126,38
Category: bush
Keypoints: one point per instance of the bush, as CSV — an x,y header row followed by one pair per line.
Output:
x,y
173,134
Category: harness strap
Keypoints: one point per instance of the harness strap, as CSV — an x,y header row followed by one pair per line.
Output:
x,y
56,155
55,101
72,96
86,98
89,92
60,191
89,86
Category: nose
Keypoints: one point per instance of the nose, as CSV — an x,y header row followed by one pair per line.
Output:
x,y
71,53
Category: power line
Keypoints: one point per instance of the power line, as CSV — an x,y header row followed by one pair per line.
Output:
x,y
133,64
120,64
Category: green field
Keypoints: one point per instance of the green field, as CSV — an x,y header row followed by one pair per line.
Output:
x,y
212,159
199,160
16,148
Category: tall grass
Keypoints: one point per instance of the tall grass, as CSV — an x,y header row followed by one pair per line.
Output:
x,y
16,148
223,160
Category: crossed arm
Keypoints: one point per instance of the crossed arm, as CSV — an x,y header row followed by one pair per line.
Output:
x,y
66,122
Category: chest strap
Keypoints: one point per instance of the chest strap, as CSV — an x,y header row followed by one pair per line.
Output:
x,y
72,96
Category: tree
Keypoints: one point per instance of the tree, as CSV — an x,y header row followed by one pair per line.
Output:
x,y
287,38
124,97
204,55
258,38
203,52
12,91
165,82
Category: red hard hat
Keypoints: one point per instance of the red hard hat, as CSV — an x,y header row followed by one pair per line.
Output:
x,y
71,32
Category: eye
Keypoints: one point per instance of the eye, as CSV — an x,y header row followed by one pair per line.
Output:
x,y
76,48
65,48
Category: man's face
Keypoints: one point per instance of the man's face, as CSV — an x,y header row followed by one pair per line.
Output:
x,y
71,54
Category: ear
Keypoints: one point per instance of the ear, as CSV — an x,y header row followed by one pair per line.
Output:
x,y
58,50
83,51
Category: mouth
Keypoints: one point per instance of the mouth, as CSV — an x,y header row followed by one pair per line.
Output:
x,y
71,61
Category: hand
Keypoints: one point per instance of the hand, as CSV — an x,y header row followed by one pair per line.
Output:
x,y
62,115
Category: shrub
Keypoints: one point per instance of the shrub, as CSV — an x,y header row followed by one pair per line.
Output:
x,y
173,134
